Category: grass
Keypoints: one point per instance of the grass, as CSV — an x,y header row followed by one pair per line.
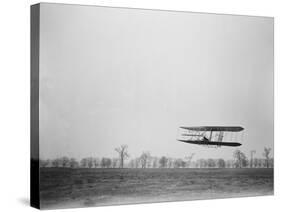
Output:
x,y
63,187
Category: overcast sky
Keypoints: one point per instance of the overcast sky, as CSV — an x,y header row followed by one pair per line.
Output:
x,y
124,76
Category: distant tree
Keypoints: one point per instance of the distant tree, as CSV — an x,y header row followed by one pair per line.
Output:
x,y
84,163
185,164
73,163
229,164
255,162
44,163
96,162
149,162
266,153
170,162
179,163
201,163
137,163
197,165
64,161
123,154
189,160
144,159
89,162
114,162
220,163
163,162
252,152
55,162
154,162
105,162
176,163
240,159
271,163
211,163
192,164
260,163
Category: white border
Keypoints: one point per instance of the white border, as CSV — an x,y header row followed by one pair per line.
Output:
x,y
14,105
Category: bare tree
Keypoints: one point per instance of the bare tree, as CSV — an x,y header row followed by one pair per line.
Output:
x,y
229,164
64,161
84,163
189,159
179,163
154,162
220,163
123,154
96,162
149,162
240,159
266,154
256,162
170,163
202,163
91,162
163,162
55,162
211,163
260,163
144,159
88,162
252,157
73,163
114,162
105,162
271,163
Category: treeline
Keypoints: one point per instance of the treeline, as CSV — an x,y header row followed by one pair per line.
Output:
x,y
146,160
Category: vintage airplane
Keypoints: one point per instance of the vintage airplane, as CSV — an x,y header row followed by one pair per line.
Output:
x,y
212,135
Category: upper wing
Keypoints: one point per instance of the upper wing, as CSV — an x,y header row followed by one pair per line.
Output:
x,y
215,128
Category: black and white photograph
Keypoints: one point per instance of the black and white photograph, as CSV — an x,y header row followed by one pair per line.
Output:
x,y
141,106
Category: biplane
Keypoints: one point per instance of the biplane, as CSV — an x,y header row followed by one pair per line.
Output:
x,y
212,135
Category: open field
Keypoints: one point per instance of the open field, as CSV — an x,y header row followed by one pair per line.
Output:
x,y
64,187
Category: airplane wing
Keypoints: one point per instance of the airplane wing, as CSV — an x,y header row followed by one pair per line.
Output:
x,y
233,144
215,128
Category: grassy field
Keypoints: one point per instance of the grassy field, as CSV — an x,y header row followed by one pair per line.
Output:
x,y
63,187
